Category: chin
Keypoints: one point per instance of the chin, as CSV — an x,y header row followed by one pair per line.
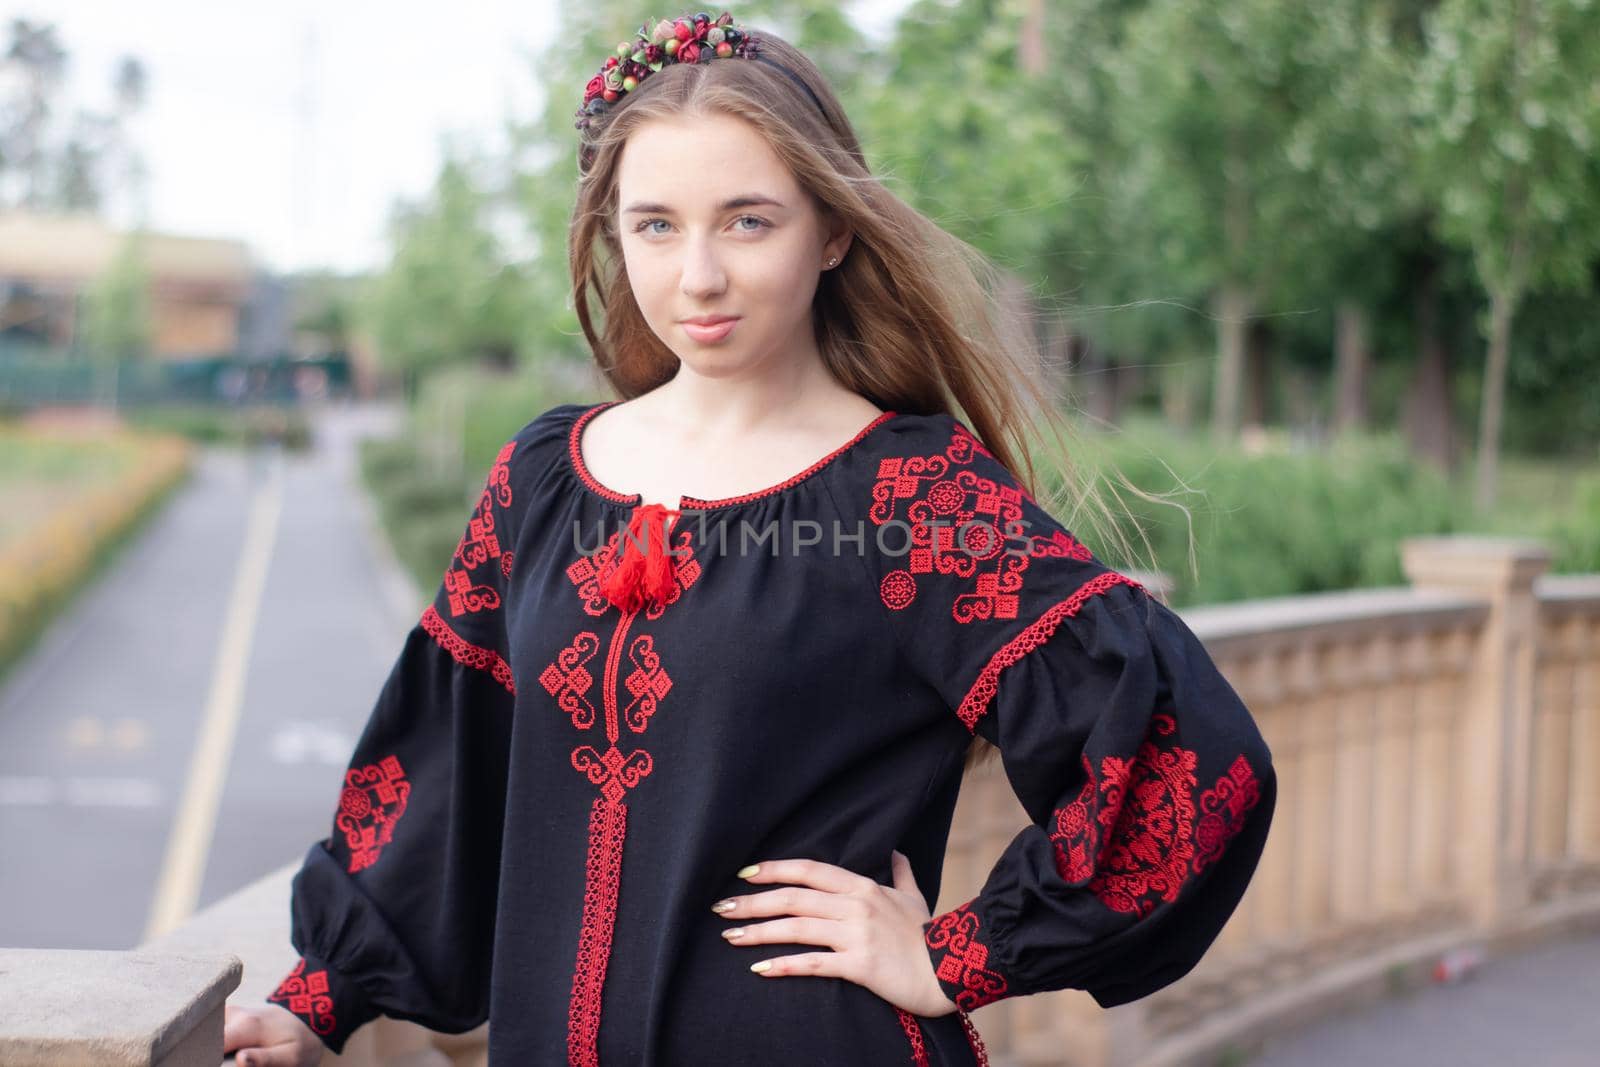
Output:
x,y
713,363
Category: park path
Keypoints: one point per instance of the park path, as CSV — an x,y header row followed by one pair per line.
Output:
x,y
1534,1009
181,729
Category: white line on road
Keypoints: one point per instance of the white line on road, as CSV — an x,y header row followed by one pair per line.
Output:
x,y
178,889
33,791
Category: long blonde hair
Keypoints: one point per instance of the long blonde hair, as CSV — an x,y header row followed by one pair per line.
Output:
x,y
914,319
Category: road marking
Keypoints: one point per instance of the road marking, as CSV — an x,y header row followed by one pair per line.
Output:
x,y
85,732
28,791
130,734
113,792
310,742
19,790
178,889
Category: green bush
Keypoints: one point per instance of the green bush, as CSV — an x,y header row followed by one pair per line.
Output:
x,y
1285,522
247,426
426,480
1575,535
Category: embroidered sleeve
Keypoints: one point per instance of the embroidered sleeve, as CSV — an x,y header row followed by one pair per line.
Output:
x,y
1147,785
393,912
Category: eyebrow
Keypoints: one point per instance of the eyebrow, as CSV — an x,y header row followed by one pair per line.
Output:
x,y
748,200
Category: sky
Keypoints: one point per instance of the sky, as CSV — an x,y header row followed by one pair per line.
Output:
x,y
296,126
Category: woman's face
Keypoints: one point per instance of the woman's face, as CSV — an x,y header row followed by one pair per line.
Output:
x,y
712,223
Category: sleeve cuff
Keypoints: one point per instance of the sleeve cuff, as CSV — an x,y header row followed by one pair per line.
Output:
x,y
960,945
326,1000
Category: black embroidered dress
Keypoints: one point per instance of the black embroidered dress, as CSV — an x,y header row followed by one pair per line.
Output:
x,y
589,732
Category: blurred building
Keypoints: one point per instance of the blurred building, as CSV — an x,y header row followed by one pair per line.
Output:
x,y
207,295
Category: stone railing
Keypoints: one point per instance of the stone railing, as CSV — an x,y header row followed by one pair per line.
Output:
x,y
1437,748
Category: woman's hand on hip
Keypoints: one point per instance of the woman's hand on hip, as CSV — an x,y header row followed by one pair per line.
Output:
x,y
875,930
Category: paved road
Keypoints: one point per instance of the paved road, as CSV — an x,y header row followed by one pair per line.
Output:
x,y
1535,1009
181,729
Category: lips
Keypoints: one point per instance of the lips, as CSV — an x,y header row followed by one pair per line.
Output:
x,y
720,327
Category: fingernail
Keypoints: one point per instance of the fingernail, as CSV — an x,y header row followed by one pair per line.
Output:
x,y
746,872
736,932
762,966
723,905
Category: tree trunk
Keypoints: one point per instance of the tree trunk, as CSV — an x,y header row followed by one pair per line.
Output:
x,y
1502,305
1180,381
1258,375
1353,366
1098,386
1233,306
1428,415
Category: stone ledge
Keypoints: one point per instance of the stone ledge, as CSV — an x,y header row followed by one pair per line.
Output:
x,y
112,1009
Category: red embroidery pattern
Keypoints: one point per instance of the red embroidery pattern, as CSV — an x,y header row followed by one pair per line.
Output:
x,y
919,1049
613,772
975,1040
1061,545
913,1029
466,653
1133,836
959,520
373,800
465,597
983,690
568,679
965,958
307,996
608,828
480,542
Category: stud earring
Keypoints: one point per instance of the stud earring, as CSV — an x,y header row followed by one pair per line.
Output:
x,y
832,260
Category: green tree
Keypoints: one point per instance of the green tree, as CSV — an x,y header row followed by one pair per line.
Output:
x,y
1209,99
117,324
1507,122
449,296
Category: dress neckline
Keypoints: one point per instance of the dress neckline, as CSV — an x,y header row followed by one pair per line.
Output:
x,y
692,503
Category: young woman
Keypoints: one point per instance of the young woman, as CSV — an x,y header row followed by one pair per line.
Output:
x,y
664,775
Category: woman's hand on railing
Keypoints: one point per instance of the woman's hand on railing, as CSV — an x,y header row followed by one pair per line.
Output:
x,y
269,1036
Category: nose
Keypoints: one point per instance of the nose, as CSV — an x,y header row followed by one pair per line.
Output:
x,y
702,273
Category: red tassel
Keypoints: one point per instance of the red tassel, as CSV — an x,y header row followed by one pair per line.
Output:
x,y
645,577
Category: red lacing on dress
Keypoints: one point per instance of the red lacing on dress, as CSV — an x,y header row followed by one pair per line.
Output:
x,y
978,698
308,996
575,454
913,1029
643,578
975,1040
608,827
699,504
466,653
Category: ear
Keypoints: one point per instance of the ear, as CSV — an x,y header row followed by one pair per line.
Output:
x,y
839,239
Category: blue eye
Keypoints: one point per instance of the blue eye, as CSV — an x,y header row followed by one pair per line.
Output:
x,y
640,227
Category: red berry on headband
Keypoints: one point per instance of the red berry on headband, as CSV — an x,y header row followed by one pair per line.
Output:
x,y
724,49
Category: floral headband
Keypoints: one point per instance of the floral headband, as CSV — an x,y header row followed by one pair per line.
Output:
x,y
689,39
